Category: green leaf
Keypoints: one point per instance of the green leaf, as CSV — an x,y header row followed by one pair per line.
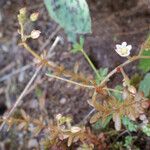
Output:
x,y
102,124
102,74
72,15
146,130
144,64
77,47
129,124
146,45
128,142
118,95
135,80
145,85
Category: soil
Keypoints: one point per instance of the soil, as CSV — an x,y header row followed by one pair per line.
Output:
x,y
113,21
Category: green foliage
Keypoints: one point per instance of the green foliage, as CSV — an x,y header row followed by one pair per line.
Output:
x,y
128,142
118,145
145,85
130,125
146,45
77,47
72,15
118,95
135,80
146,130
102,74
102,124
144,64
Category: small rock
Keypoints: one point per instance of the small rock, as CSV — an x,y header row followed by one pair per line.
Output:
x,y
63,101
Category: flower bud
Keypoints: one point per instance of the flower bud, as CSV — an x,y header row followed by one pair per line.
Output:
x,y
35,34
23,11
34,16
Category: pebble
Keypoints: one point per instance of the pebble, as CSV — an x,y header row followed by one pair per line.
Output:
x,y
63,101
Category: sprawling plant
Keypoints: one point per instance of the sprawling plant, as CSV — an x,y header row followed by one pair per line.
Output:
x,y
125,105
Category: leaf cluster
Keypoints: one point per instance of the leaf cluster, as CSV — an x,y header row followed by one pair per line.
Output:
x,y
56,132
131,106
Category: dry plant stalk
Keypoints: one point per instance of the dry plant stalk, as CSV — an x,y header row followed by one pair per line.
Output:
x,y
132,106
56,132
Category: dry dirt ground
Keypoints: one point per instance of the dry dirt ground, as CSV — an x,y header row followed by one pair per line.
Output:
x,y
112,22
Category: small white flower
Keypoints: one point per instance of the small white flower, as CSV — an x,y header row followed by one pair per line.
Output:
x,y
123,50
35,34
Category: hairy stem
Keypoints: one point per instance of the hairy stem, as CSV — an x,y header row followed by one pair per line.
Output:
x,y
70,81
28,84
132,59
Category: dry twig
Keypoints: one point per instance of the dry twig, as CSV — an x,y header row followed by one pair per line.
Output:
x,y
26,88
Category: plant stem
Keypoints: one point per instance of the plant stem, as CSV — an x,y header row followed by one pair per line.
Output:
x,y
29,83
90,62
20,97
70,81
31,51
132,59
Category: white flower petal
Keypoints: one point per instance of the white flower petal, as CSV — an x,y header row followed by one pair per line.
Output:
x,y
118,46
129,47
118,51
124,44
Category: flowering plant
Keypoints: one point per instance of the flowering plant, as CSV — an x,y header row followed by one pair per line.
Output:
x,y
125,107
123,50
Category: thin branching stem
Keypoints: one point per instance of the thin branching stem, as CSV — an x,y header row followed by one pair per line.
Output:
x,y
80,84
132,59
70,81
112,90
20,97
28,85
51,65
